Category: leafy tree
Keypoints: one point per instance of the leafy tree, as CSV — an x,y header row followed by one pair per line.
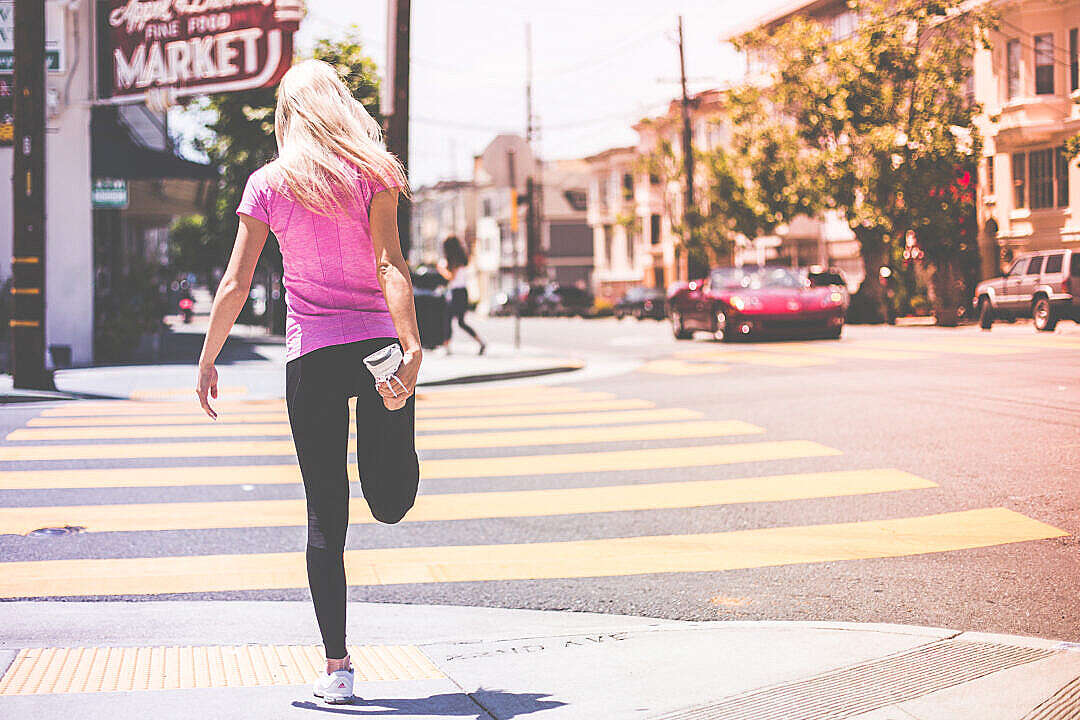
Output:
x,y
241,140
881,118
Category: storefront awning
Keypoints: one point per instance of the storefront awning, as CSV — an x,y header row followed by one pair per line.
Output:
x,y
116,154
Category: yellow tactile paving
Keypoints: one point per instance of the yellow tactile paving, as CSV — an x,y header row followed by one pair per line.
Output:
x,y
467,506
710,552
207,428
450,441
49,671
455,468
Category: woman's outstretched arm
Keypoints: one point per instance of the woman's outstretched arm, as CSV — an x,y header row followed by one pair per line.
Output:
x,y
396,284
231,295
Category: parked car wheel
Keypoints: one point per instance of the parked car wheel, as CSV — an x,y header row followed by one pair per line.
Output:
x,y
986,314
1043,312
677,327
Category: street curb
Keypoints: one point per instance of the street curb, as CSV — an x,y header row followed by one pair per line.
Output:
x,y
508,375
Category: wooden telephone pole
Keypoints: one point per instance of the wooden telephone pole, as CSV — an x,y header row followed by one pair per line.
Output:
x,y
28,197
397,136
688,155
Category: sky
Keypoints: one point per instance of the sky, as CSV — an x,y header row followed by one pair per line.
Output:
x,y
598,67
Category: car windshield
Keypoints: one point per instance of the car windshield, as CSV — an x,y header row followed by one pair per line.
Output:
x,y
773,278
727,278
825,278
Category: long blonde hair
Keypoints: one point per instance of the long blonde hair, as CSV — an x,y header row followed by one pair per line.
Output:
x,y
325,138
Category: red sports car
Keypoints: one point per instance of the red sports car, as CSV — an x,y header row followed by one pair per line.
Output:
x,y
735,302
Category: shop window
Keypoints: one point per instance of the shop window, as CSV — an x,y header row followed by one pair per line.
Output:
x,y
1044,64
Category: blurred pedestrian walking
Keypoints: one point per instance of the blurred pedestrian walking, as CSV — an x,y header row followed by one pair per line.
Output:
x,y
331,199
454,266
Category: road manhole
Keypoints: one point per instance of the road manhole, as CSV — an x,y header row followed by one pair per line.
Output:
x,y
868,686
56,531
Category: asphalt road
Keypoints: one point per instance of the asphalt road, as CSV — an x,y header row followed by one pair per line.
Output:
x,y
984,429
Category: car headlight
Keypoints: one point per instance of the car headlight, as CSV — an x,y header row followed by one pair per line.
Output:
x,y
742,303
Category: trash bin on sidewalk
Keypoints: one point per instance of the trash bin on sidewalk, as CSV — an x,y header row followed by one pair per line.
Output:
x,y
432,308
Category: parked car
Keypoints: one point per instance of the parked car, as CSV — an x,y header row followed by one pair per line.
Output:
x,y
1043,285
771,301
642,302
555,299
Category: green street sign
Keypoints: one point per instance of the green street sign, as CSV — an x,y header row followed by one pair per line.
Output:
x,y
109,193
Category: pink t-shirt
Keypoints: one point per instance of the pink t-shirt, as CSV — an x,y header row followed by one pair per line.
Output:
x,y
331,290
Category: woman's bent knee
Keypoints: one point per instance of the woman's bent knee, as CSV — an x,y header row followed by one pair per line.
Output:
x,y
391,514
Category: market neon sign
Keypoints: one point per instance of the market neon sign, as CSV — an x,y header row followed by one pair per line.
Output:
x,y
193,46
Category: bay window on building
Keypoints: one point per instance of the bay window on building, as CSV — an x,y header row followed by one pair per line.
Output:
x,y
1012,68
1044,64
1074,60
1041,179
1019,178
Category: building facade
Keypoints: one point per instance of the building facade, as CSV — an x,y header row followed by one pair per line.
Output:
x,y
566,241
1028,83
619,251
438,211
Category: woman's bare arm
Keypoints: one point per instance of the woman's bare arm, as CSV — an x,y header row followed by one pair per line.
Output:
x,y
231,295
396,284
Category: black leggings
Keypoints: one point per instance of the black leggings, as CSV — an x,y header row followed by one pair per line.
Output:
x,y
459,304
317,388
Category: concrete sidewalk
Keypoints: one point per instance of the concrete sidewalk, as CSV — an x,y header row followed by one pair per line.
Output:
x,y
437,661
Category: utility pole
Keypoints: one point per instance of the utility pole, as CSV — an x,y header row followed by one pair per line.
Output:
x,y
518,262
397,140
688,151
28,197
532,219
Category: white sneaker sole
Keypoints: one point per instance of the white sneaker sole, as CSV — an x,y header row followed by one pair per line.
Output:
x,y
335,699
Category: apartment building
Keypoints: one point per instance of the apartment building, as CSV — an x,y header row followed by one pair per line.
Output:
x,y
1028,83
446,208
566,240
620,256
658,201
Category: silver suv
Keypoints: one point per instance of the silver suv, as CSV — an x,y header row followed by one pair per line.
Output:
x,y
1043,285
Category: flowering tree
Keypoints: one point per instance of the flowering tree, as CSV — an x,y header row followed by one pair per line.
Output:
x,y
880,118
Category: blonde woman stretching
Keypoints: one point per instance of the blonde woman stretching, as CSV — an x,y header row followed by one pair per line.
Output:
x,y
331,199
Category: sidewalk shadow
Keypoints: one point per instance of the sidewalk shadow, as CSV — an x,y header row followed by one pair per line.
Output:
x,y
492,703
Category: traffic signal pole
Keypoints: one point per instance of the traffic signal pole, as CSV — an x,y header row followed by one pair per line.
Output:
x,y
27,318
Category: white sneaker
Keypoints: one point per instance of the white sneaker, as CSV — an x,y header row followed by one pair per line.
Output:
x,y
335,688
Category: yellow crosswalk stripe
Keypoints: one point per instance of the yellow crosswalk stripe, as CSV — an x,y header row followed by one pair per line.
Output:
x,y
949,346
707,552
94,408
754,357
168,393
814,350
210,429
669,366
467,506
194,414
446,469
454,441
